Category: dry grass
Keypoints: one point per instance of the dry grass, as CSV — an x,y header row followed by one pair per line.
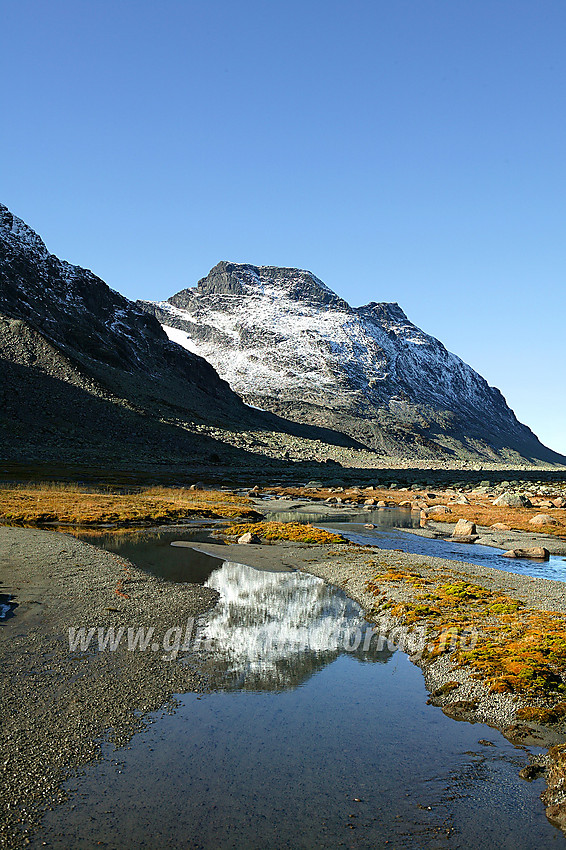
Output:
x,y
518,649
297,531
515,518
32,505
480,511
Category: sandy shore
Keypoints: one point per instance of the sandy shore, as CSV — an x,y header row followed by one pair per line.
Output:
x,y
57,705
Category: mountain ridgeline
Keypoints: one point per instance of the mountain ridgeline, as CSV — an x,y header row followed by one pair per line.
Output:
x,y
287,343
88,377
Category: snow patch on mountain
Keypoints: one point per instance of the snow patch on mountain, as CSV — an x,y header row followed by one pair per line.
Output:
x,y
287,343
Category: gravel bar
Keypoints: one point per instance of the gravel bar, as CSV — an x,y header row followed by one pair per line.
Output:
x,y
58,706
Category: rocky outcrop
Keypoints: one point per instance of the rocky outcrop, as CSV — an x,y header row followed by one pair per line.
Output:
x,y
286,343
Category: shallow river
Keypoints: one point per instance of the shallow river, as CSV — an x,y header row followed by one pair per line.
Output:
x,y
388,534
307,738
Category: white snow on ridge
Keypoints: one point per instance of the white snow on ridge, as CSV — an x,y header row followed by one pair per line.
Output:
x,y
272,342
281,336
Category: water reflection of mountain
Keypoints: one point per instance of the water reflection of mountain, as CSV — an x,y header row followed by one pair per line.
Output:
x,y
380,517
273,631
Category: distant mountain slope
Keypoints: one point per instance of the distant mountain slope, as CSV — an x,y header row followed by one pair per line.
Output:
x,y
87,377
285,342
87,372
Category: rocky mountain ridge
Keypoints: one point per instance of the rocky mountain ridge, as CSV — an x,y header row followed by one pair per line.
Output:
x,y
88,378
287,343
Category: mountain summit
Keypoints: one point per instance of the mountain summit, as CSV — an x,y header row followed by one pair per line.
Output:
x,y
287,343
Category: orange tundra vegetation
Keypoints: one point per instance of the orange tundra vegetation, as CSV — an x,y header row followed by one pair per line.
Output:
x,y
518,649
42,503
297,531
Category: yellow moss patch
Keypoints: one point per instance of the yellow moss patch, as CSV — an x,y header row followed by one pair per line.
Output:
x,y
40,504
405,576
515,648
462,590
297,531
446,688
543,715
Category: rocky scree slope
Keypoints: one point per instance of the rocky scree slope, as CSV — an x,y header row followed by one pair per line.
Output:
x,y
286,343
86,375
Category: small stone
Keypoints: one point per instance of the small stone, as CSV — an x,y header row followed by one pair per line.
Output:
x,y
530,772
542,519
459,500
248,537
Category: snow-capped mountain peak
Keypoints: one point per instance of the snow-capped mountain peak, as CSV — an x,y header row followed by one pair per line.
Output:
x,y
287,343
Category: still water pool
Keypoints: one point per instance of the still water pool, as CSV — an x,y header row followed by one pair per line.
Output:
x,y
301,742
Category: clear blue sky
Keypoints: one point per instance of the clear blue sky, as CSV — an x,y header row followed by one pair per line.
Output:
x,y
408,150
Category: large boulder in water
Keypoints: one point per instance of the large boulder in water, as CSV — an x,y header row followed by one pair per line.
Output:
x,y
537,553
464,528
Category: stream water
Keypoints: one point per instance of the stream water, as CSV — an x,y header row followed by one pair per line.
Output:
x,y
388,534
307,738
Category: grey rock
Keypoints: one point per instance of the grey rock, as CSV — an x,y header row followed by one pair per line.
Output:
x,y
536,552
464,528
543,519
512,500
248,537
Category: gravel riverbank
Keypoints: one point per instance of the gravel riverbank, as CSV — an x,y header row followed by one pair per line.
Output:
x,y
58,705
